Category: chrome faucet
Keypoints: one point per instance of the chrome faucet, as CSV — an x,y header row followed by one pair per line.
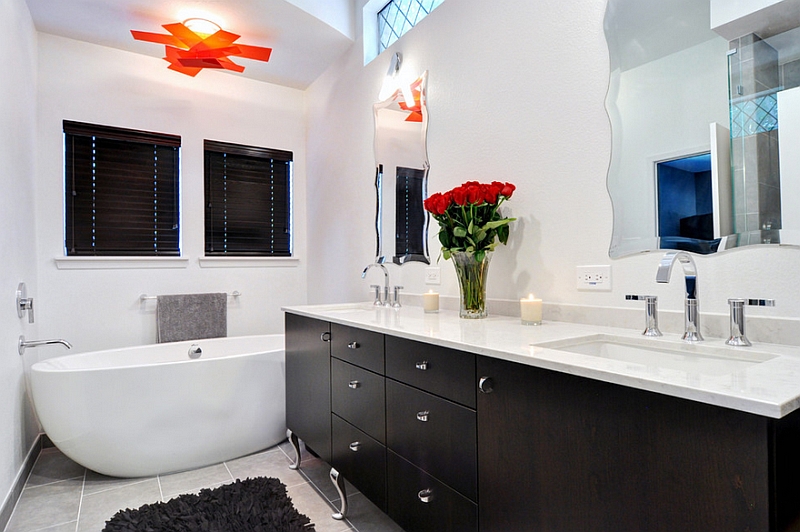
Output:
x,y
378,301
692,320
24,344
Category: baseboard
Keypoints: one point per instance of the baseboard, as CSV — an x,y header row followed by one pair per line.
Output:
x,y
22,476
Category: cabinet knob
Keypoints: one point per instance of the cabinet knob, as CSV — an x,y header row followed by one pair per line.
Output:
x,y
423,415
486,385
325,337
425,495
422,366
353,345
354,384
355,446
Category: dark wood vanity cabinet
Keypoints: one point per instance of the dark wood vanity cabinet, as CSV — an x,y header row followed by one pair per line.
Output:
x,y
535,450
308,382
564,453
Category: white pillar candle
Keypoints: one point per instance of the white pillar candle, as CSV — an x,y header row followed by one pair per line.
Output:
x,y
430,301
531,310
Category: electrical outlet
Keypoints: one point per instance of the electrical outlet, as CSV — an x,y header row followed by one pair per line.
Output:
x,y
594,277
433,275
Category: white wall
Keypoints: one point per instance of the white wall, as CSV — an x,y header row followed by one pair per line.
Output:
x,y
17,251
100,308
789,136
516,92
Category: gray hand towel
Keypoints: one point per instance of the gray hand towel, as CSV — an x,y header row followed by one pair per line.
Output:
x,y
192,316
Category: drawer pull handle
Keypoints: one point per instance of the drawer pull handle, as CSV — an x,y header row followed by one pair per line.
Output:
x,y
354,384
423,416
353,345
425,495
422,366
355,446
325,337
486,385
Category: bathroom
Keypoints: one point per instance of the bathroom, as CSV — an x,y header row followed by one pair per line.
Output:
x,y
516,92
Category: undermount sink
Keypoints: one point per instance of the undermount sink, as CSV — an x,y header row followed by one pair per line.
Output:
x,y
660,353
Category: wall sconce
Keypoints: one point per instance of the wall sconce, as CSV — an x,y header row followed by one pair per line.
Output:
x,y
395,81
196,44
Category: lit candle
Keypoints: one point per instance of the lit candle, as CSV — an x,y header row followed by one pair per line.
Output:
x,y
430,301
531,310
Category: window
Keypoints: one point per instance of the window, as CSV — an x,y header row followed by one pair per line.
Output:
x,y
121,188
399,16
247,192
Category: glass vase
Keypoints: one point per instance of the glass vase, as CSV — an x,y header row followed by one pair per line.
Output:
x,y
472,276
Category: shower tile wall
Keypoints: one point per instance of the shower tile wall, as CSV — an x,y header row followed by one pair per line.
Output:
x,y
754,80
790,74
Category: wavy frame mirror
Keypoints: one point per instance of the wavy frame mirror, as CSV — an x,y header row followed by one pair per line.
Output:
x,y
401,172
695,160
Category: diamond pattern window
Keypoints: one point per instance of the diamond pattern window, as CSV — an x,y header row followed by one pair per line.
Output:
x,y
753,115
399,16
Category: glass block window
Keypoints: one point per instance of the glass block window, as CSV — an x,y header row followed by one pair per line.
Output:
x,y
755,115
399,16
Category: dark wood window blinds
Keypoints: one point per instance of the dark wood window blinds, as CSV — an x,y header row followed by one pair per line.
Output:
x,y
121,191
247,192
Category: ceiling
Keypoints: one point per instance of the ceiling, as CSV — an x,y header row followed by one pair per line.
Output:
x,y
306,36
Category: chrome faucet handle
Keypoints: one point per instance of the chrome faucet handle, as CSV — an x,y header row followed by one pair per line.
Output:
x,y
24,303
377,289
738,337
651,313
396,302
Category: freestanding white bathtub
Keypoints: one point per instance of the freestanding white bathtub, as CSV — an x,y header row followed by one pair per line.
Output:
x,y
149,410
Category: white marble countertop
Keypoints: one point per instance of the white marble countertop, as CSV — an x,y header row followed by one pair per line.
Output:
x,y
763,379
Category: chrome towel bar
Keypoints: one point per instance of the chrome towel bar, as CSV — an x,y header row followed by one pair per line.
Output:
x,y
145,297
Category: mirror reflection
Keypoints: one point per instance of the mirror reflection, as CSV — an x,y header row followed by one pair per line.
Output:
x,y
401,170
695,162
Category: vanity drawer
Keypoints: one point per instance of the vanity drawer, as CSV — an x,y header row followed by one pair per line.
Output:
x,y
439,370
359,396
434,434
357,346
418,502
361,460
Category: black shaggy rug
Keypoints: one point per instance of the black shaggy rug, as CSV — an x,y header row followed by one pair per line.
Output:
x,y
255,504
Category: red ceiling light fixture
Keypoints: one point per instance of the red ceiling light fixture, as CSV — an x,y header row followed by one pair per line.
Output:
x,y
191,47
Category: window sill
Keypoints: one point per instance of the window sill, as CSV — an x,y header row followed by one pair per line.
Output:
x,y
248,262
119,263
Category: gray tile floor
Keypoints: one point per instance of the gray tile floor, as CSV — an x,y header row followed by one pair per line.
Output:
x,y
62,496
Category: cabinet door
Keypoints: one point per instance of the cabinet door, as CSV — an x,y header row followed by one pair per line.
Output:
x,y
358,346
420,503
308,382
560,453
436,435
359,397
361,459
438,370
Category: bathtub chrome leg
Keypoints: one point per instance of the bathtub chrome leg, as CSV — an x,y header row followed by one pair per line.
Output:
x,y
296,446
338,481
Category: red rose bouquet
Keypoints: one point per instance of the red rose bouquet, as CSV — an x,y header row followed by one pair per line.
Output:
x,y
469,217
